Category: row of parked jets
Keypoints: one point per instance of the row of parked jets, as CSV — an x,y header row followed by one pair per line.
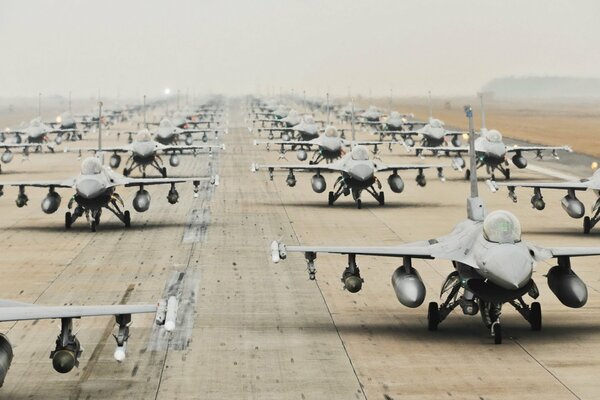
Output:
x,y
94,190
492,264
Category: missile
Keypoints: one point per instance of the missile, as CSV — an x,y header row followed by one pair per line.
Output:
x,y
171,316
120,352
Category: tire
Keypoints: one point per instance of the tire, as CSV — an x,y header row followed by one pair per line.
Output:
x,y
507,175
163,172
359,204
68,221
125,172
433,316
535,318
331,198
587,225
93,226
97,219
381,199
127,218
467,174
497,331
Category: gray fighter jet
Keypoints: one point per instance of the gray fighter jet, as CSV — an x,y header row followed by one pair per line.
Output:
x,y
357,174
168,133
68,350
329,146
146,152
95,189
570,203
432,134
492,266
492,153
37,132
307,129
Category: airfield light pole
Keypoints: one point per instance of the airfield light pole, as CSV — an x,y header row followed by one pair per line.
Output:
x,y
100,132
473,162
144,107
327,108
430,105
352,122
391,94
482,110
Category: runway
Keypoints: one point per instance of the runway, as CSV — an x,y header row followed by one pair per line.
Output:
x,y
249,328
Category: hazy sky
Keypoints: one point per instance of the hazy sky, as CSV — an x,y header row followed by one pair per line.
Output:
x,y
410,46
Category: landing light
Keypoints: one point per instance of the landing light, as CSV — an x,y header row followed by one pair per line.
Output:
x,y
595,165
465,136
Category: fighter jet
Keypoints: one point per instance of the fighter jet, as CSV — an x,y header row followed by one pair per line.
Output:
x,y
492,153
68,350
95,189
357,174
306,129
145,152
168,133
37,132
492,264
570,203
432,134
329,146
371,117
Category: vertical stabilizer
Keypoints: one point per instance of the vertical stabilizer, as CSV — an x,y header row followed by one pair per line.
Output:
x,y
328,109
475,206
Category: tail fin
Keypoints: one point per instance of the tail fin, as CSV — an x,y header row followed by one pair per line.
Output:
x,y
352,123
475,206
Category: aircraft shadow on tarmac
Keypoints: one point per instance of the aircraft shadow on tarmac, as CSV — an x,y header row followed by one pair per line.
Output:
x,y
365,205
466,331
109,226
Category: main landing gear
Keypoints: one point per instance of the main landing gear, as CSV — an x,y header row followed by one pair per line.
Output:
x,y
93,215
344,189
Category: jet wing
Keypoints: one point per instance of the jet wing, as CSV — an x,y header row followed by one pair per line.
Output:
x,y
313,142
32,312
299,167
414,251
546,253
69,183
574,185
514,149
121,149
383,167
128,182
191,147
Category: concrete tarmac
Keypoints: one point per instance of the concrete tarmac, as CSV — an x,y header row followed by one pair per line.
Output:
x,y
249,328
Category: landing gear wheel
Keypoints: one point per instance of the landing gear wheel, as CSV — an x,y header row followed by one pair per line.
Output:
x,y
97,219
331,198
587,225
163,172
507,173
125,172
358,204
497,332
535,318
381,199
467,174
68,221
433,316
93,226
127,219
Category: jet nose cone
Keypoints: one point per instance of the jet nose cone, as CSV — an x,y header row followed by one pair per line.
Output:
x,y
361,172
508,266
89,188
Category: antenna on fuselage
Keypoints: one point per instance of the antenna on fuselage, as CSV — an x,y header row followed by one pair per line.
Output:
x,y
475,206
